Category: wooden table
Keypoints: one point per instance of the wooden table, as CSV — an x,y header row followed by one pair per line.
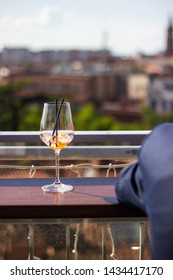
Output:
x,y
91,198
22,201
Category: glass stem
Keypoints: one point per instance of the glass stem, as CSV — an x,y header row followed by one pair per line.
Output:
x,y
57,180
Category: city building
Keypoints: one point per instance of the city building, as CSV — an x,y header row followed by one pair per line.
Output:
x,y
113,83
169,41
161,95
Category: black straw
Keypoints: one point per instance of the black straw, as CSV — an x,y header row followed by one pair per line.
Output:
x,y
57,116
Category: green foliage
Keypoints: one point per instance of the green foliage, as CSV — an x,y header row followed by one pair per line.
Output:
x,y
150,118
88,118
9,106
25,114
16,113
30,116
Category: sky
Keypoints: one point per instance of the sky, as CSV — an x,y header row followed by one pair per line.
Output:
x,y
125,27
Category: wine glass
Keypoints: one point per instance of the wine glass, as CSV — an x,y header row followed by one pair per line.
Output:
x,y
57,131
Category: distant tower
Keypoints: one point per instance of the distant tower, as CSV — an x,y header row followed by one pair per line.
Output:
x,y
169,44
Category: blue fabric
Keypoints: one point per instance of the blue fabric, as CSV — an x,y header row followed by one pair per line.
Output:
x,y
148,185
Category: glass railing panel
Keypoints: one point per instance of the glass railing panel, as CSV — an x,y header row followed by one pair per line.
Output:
x,y
94,240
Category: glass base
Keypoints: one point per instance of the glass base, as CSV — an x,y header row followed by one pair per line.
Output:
x,y
57,188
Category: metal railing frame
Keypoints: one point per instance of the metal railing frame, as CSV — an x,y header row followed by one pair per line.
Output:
x,y
105,145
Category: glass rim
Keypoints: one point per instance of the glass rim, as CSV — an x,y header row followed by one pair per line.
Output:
x,y
54,103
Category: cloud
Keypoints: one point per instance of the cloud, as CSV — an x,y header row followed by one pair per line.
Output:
x,y
46,27
47,16
4,22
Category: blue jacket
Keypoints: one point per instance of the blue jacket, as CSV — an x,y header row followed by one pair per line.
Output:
x,y
148,185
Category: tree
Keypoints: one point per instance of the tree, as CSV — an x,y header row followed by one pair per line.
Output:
x,y
89,118
9,106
